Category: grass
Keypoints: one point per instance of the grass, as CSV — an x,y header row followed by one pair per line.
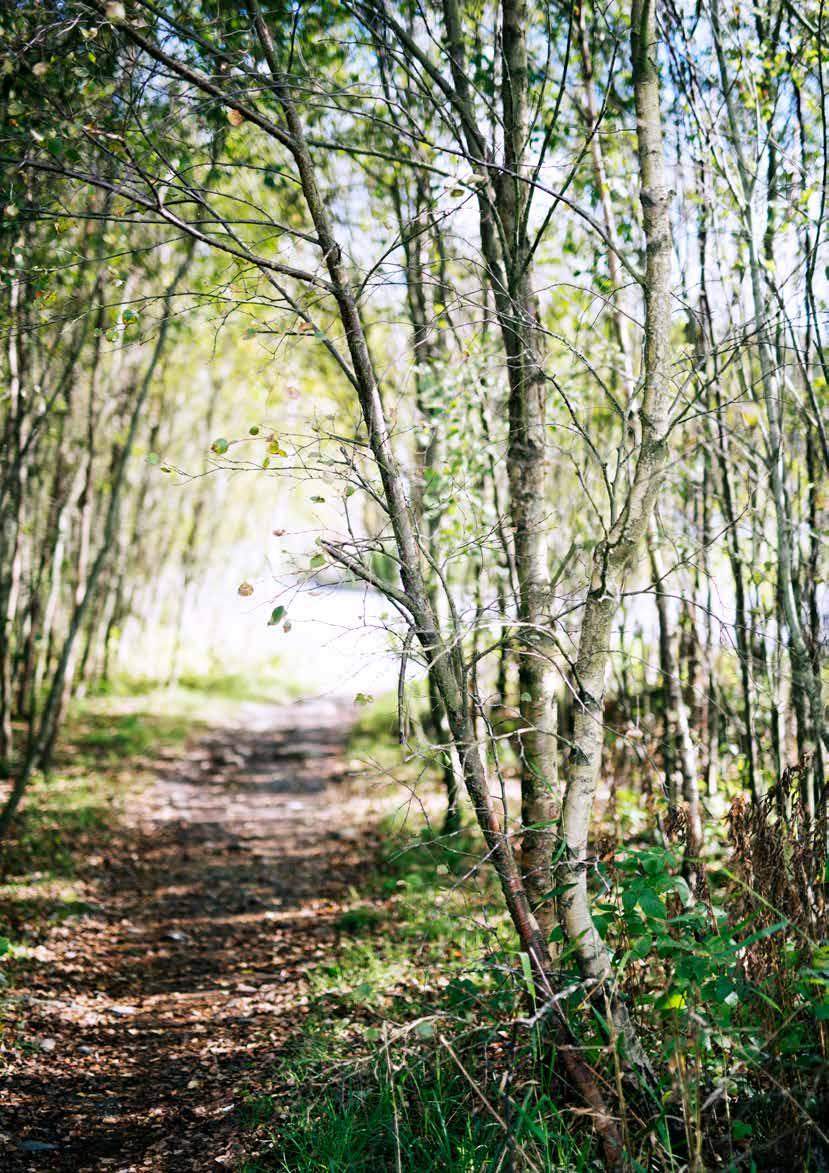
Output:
x,y
106,751
414,1056
265,685
425,980
423,1118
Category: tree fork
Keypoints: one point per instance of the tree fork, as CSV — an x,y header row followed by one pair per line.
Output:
x,y
449,681
614,555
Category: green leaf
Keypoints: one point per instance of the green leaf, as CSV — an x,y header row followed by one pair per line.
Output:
x,y
318,500
276,615
317,561
253,430
363,698
425,1030
220,446
651,905
527,970
630,896
673,1001
723,988
752,938
153,458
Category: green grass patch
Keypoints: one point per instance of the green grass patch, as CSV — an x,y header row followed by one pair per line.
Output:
x,y
268,684
422,1117
104,738
424,977
107,750
416,1052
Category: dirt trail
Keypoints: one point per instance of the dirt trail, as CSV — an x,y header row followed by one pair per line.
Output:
x,y
147,1017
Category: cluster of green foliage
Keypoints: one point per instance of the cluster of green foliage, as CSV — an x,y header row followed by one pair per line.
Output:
x,y
420,1043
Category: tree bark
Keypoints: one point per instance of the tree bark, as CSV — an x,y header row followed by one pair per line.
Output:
x,y
51,709
804,678
449,671
680,751
617,552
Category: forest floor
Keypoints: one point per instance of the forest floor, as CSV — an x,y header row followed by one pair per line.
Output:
x,y
233,936
164,972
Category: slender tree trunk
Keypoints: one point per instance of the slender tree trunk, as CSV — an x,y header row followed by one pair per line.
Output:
x,y
722,447
450,673
711,699
51,709
803,676
528,479
14,480
429,363
617,552
681,752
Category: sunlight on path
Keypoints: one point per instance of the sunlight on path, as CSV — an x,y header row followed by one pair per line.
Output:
x,y
178,989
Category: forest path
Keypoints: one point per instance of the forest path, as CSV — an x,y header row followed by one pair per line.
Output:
x,y
149,1015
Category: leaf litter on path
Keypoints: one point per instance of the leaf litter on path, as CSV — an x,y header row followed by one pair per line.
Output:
x,y
142,1020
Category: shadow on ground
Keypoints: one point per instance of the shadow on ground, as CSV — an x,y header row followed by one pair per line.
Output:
x,y
143,1017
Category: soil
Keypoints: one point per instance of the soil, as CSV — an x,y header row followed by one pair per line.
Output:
x,y
148,1020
